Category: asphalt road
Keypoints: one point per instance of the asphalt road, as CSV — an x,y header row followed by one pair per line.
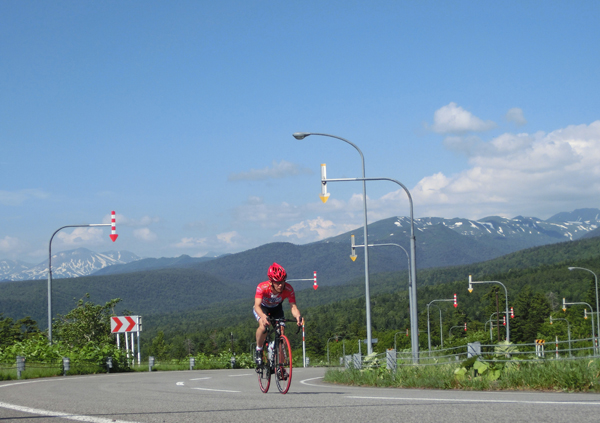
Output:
x,y
234,396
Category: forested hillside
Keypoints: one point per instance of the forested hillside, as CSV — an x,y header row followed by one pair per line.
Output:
x,y
536,279
196,305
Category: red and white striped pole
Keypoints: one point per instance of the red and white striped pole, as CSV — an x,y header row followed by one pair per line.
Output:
x,y
303,344
455,303
465,326
113,232
315,286
512,313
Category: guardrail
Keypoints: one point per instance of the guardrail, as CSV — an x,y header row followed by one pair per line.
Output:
x,y
536,352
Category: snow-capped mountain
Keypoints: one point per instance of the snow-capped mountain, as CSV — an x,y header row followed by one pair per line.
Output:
x,y
66,264
497,235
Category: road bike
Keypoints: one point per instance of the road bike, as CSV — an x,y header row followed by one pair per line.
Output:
x,y
276,358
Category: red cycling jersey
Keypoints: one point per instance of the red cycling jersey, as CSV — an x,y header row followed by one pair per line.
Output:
x,y
270,299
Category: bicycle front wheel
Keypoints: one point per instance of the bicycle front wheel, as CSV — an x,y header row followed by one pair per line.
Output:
x,y
264,371
283,367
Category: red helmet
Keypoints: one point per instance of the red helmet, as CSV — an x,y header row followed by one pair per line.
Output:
x,y
277,273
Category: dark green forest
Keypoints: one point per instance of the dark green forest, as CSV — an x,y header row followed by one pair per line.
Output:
x,y
536,280
189,311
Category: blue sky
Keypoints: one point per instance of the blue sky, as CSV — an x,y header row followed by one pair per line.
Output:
x,y
179,116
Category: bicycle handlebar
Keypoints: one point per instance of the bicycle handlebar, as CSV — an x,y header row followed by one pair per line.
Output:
x,y
273,321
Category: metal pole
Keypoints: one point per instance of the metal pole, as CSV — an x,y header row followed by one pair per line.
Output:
x,y
592,313
597,302
506,310
428,331
441,329
50,271
414,324
302,135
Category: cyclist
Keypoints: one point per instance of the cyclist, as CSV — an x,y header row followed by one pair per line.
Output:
x,y
268,302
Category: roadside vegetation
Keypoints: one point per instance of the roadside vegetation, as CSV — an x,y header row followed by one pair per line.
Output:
x,y
581,375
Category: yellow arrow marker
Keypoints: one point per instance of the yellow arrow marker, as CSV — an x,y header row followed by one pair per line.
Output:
x,y
470,290
353,257
324,198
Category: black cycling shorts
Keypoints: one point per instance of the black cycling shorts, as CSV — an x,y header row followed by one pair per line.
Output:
x,y
275,312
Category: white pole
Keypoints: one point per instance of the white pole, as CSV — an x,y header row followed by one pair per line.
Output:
x,y
303,345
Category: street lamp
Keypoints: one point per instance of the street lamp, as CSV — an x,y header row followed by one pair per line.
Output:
x,y
597,305
568,331
113,237
565,304
391,244
459,326
413,267
471,282
395,347
301,136
492,324
441,329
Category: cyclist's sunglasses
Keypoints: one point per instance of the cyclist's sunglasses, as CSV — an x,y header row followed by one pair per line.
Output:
x,y
278,283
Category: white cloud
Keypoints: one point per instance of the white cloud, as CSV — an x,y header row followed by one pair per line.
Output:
x,y
82,236
314,230
12,245
227,237
516,115
199,247
144,234
190,242
453,119
519,174
16,198
279,170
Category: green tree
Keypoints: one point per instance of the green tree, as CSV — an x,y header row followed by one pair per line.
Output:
x,y
87,323
159,347
531,310
11,332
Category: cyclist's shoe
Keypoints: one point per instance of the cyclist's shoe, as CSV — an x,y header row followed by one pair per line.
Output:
x,y
257,358
282,374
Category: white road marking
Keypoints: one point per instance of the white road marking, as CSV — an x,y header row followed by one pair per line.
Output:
x,y
305,382
216,390
246,374
201,378
507,401
180,383
68,416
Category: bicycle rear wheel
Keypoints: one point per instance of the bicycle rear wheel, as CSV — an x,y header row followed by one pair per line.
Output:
x,y
283,366
264,370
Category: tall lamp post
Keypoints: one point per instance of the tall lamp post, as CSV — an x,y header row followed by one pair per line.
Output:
x,y
413,268
391,244
441,329
113,237
301,136
597,302
471,282
568,331
565,304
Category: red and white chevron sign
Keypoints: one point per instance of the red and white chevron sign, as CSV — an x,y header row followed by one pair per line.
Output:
x,y
121,324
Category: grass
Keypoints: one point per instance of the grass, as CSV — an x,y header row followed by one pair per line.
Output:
x,y
563,376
